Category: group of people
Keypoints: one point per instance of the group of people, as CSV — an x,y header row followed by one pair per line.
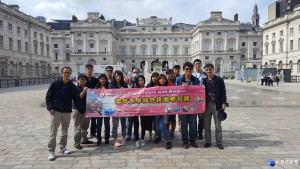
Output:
x,y
63,92
267,79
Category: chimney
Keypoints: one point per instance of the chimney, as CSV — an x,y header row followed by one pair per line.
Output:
x,y
236,17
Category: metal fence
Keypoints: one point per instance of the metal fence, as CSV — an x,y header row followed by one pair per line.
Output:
x,y
25,81
295,79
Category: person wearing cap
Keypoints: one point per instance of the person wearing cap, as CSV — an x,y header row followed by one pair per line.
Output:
x,y
176,70
215,103
200,75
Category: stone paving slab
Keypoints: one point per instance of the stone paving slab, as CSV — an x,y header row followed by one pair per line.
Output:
x,y
262,124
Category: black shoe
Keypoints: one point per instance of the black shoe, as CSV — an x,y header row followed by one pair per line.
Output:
x,y
79,147
169,145
106,141
87,142
200,136
157,140
220,146
206,145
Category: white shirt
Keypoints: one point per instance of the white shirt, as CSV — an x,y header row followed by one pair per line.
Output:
x,y
200,76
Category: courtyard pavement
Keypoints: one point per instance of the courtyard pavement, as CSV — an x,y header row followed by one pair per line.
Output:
x,y
263,123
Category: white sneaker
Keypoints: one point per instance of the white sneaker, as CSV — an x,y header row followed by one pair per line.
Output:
x,y
142,143
64,150
51,156
138,143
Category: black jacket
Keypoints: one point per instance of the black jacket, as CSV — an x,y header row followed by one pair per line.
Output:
x,y
63,101
220,91
91,84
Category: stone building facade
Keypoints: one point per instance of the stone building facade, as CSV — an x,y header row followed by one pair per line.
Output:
x,y
282,42
24,44
228,44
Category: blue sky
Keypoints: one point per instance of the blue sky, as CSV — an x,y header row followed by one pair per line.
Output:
x,y
184,11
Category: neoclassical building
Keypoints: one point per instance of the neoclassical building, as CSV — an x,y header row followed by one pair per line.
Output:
x,y
228,44
24,44
282,42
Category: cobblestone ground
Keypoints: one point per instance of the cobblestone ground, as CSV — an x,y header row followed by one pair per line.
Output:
x,y
262,124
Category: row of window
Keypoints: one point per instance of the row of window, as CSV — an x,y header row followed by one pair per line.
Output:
x,y
281,33
219,33
56,46
291,46
90,35
19,46
154,40
154,51
154,29
10,28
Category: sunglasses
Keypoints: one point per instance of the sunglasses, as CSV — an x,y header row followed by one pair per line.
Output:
x,y
188,69
109,70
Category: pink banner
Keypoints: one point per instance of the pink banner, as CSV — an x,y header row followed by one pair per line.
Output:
x,y
165,100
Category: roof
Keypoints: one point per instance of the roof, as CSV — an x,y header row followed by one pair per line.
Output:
x,y
60,24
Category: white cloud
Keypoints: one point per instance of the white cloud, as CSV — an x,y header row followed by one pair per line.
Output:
x,y
186,11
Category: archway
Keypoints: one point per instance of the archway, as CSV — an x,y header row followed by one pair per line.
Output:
x,y
280,65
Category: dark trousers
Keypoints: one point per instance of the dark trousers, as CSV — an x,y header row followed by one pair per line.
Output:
x,y
93,126
106,126
200,123
136,124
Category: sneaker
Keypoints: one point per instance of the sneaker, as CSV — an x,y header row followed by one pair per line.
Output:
x,y
79,147
64,151
138,144
220,146
51,156
157,140
87,142
169,145
143,143
206,145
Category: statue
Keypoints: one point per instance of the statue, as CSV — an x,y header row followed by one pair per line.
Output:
x,y
74,18
102,17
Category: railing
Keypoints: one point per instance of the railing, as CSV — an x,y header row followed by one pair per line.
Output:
x,y
295,79
25,81
92,53
152,56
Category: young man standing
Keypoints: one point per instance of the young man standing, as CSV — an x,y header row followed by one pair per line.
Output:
x,y
188,120
59,103
200,75
91,84
78,118
109,72
215,102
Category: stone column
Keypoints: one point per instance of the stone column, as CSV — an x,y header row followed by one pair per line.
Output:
x,y
97,42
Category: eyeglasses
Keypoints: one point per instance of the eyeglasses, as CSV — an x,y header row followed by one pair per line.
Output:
x,y
208,69
109,70
188,69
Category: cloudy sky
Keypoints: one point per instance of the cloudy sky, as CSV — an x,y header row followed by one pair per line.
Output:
x,y
184,11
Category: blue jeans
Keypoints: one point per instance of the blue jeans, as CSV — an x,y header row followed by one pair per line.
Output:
x,y
106,126
129,126
161,128
191,121
200,123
